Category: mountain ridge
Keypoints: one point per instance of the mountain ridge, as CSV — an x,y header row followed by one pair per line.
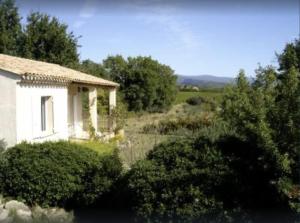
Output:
x,y
204,80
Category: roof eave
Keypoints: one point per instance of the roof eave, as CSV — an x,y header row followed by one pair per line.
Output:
x,y
108,85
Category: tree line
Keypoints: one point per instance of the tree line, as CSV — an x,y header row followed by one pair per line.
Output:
x,y
145,84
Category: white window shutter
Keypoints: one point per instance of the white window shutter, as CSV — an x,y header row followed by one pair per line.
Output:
x,y
36,116
52,115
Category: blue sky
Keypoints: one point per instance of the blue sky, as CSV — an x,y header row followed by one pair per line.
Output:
x,y
193,39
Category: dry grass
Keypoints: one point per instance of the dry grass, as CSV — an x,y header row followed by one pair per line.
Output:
x,y
137,144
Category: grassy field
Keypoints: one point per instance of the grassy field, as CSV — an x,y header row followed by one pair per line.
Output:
x,y
99,147
136,143
215,94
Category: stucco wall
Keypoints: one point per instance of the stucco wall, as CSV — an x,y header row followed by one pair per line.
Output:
x,y
8,107
29,112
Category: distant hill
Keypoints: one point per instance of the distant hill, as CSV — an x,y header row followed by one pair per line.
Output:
x,y
204,80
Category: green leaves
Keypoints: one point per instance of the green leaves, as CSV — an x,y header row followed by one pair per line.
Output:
x,y
266,114
177,183
10,28
57,174
146,84
46,39
43,38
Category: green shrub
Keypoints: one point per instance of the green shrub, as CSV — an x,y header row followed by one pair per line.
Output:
x,y
176,184
59,173
209,104
171,126
195,100
217,177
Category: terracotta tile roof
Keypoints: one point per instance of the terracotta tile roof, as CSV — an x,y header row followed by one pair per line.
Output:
x,y
39,71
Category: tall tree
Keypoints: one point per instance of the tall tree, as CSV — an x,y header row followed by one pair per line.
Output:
x,y
267,114
90,67
146,84
117,68
10,27
290,57
287,121
47,39
247,108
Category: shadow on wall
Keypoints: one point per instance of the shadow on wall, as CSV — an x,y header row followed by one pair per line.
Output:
x,y
3,145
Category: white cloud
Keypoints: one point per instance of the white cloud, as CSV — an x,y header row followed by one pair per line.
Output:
x,y
178,31
88,11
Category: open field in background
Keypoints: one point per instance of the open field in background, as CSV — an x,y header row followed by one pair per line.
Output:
x,y
136,143
139,143
215,94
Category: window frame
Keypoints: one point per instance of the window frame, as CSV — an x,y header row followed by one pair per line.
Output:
x,y
45,114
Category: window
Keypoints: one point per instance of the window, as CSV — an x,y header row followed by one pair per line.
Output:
x,y
47,114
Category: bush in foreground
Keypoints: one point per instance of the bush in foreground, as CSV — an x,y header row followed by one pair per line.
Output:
x,y
177,183
57,174
219,177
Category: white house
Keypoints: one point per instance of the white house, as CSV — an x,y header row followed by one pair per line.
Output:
x,y
42,101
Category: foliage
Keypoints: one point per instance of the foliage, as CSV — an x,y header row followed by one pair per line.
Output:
x,y
176,182
46,39
90,67
146,84
117,68
119,115
91,129
59,173
255,164
100,147
195,100
266,115
10,28
170,126
192,88
244,108
290,57
199,100
207,94
287,119
226,174
103,101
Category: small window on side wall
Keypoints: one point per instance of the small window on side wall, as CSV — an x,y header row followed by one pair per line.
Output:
x,y
47,116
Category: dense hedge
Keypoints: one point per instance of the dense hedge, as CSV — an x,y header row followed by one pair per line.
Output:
x,y
218,177
59,173
177,182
